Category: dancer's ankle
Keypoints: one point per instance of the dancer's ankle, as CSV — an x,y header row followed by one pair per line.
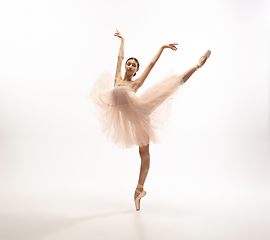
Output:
x,y
197,66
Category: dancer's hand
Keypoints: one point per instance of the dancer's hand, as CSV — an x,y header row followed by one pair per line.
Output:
x,y
171,46
118,34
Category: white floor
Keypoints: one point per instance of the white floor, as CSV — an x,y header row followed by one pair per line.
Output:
x,y
109,217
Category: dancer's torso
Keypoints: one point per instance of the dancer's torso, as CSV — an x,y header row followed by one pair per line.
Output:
x,y
123,84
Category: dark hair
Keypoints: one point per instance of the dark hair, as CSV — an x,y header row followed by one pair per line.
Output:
x,y
136,60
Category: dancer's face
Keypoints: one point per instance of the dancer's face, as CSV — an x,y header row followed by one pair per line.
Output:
x,y
131,67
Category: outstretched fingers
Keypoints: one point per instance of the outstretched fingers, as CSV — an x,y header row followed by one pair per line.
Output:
x,y
171,46
118,34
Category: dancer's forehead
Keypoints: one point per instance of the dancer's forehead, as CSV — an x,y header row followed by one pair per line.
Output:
x,y
132,61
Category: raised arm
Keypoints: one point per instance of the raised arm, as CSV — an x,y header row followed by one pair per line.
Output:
x,y
118,74
141,79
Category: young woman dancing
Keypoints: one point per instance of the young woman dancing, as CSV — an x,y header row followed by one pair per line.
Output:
x,y
131,120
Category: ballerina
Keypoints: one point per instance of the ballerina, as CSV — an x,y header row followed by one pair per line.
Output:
x,y
130,120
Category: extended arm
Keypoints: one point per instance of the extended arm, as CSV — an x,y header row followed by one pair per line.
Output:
x,y
141,79
118,74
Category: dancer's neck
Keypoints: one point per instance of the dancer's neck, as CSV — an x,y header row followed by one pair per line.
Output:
x,y
127,77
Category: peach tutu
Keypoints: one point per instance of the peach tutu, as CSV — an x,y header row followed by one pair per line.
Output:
x,y
127,119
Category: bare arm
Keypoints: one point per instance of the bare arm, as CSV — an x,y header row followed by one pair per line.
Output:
x,y
139,82
118,74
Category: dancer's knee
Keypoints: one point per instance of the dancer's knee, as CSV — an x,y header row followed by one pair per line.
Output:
x,y
144,151
145,158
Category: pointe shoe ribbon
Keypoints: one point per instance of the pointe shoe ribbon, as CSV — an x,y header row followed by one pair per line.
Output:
x,y
137,199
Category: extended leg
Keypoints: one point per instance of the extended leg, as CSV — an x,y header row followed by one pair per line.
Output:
x,y
185,76
188,73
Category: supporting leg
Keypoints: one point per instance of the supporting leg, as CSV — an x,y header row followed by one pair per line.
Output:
x,y
145,164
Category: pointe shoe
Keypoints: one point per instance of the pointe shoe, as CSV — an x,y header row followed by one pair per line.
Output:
x,y
203,59
138,199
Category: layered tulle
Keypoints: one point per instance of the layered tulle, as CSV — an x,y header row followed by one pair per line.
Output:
x,y
127,119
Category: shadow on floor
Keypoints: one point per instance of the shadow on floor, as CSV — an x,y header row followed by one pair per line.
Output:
x,y
33,226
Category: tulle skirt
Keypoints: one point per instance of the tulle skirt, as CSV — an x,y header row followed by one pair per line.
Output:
x,y
127,119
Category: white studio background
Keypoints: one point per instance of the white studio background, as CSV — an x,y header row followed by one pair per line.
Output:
x,y
217,139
